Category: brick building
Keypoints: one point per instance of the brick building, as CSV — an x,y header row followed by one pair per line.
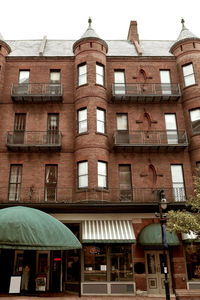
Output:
x,y
91,132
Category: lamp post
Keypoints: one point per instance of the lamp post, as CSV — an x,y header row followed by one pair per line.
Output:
x,y
162,217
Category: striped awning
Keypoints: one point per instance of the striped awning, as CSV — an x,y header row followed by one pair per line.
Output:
x,y
107,231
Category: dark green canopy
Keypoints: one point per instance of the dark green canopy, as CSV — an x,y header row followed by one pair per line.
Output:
x,y
28,228
151,235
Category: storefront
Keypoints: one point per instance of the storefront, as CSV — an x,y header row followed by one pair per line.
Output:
x,y
192,258
107,258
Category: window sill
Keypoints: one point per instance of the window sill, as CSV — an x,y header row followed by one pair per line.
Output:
x,y
82,133
187,87
79,86
97,84
101,133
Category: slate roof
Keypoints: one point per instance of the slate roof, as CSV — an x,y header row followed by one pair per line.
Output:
x,y
65,48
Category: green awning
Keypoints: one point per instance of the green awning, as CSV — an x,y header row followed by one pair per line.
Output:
x,y
28,228
151,235
107,231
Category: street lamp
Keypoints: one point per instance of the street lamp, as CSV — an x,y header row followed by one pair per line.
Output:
x,y
162,217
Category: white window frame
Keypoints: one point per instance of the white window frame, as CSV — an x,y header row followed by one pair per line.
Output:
x,y
102,174
82,120
100,74
101,120
171,128
119,82
165,80
82,74
178,183
82,174
195,117
188,74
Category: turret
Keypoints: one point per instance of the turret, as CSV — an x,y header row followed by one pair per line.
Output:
x,y
91,105
187,51
4,51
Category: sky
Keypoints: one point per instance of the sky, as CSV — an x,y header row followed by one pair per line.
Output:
x,y
68,19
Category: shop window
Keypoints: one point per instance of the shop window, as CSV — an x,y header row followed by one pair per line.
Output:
x,y
192,255
51,183
188,74
15,182
82,74
83,174
108,262
195,120
121,263
95,263
102,174
101,120
99,74
82,120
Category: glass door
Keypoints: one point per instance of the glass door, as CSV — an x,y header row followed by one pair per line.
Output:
x,y
42,270
165,82
119,79
155,272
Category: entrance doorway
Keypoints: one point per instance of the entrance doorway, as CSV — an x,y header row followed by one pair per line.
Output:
x,y
42,270
155,271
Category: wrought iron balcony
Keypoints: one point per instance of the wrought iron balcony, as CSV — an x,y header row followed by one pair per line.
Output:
x,y
145,92
150,140
33,140
18,194
36,92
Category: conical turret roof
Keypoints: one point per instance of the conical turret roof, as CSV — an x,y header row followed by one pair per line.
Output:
x,y
185,34
90,34
2,41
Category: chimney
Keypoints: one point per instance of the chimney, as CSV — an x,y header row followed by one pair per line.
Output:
x,y
133,36
133,33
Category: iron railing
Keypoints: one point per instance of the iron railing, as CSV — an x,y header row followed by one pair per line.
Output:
x,y
33,138
146,90
36,90
17,193
169,137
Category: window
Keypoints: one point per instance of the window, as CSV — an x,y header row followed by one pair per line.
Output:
x,y
82,120
122,129
188,74
100,74
53,129
119,79
195,120
101,122
83,174
171,128
15,182
19,128
178,182
165,82
82,74
125,183
102,174
24,76
54,76
108,262
51,183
